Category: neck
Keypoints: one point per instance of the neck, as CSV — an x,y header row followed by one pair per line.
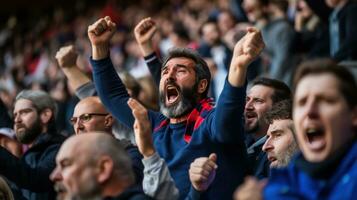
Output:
x,y
115,188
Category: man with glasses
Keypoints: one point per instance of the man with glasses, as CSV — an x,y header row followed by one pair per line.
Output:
x,y
90,115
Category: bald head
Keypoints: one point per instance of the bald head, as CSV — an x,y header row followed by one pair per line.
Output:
x,y
89,165
91,115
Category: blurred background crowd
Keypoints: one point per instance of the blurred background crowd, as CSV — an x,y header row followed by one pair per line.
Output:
x,y
32,32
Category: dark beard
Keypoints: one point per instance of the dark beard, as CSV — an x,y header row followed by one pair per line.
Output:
x,y
184,106
30,133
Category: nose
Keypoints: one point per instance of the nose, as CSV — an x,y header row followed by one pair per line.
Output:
x,y
267,146
171,75
56,175
249,105
17,119
78,126
312,109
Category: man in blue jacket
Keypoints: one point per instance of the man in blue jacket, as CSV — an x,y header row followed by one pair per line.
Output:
x,y
189,126
34,124
325,118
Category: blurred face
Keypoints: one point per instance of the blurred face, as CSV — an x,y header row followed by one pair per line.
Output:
x,y
253,10
322,117
258,102
210,33
74,176
280,145
89,116
178,90
27,124
225,22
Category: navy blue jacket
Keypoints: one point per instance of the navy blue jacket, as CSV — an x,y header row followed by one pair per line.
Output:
x,y
31,172
219,133
295,183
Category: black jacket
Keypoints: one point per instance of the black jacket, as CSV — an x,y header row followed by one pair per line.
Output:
x,y
31,173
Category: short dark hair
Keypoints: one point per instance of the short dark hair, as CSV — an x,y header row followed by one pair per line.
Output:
x,y
281,90
280,111
201,69
346,81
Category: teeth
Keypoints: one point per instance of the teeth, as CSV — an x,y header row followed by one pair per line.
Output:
x,y
311,130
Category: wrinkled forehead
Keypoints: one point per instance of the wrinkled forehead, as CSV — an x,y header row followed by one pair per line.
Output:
x,y
179,61
23,104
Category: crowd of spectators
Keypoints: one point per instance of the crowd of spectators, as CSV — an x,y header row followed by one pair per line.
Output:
x,y
58,52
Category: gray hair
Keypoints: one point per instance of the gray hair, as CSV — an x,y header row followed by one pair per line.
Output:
x,y
40,99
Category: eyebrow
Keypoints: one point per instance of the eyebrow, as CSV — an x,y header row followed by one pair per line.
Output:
x,y
276,131
176,65
24,110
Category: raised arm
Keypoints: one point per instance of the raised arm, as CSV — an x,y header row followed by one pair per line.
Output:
x,y
157,181
229,127
110,88
77,80
144,32
245,51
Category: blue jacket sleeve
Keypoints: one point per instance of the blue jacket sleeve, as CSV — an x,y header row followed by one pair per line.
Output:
x,y
154,65
227,126
111,90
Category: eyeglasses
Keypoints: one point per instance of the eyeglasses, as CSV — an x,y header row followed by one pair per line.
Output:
x,y
83,118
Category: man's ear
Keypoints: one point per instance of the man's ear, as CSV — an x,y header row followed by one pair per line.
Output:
x,y
202,86
104,168
108,121
46,115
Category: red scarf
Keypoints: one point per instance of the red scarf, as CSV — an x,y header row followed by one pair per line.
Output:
x,y
194,120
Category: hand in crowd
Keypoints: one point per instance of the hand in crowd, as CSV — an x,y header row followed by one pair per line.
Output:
x,y
66,56
245,51
203,171
142,128
144,31
251,189
248,48
99,35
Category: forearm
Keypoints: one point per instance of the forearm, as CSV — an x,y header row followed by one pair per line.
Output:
x,y
157,181
86,90
100,52
76,78
228,121
154,65
237,75
146,48
111,90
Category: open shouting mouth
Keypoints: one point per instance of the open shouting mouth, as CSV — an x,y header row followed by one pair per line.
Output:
x,y
172,95
315,138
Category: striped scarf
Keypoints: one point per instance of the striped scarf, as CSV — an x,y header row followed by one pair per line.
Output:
x,y
195,118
